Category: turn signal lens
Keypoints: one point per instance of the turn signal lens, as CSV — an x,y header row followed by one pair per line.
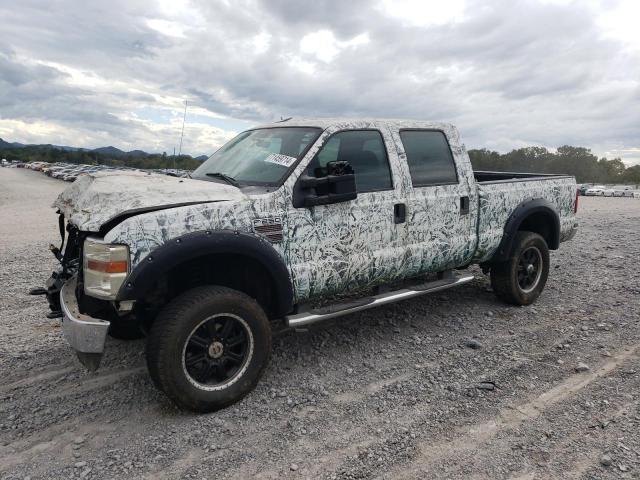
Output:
x,y
107,267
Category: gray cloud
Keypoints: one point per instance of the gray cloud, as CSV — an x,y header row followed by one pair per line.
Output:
x,y
509,74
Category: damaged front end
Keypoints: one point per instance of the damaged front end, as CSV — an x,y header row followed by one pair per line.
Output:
x,y
85,334
68,254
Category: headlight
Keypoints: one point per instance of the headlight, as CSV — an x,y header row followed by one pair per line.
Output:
x,y
105,268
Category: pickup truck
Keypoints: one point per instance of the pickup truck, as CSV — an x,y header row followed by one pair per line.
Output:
x,y
290,224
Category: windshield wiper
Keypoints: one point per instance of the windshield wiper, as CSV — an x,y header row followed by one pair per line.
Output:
x,y
227,178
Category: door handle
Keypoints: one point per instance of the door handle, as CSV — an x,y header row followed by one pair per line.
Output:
x,y
464,205
399,213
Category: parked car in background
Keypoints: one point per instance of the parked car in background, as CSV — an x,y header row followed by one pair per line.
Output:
x,y
623,191
69,172
582,189
596,191
609,192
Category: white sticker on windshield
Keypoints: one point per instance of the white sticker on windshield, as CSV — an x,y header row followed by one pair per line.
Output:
x,y
279,159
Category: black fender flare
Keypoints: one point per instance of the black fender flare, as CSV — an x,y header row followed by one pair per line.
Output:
x,y
197,244
524,210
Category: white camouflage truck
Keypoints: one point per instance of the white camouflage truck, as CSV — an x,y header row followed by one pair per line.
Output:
x,y
298,222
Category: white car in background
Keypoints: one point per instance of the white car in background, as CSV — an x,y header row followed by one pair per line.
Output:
x,y
623,192
595,191
609,192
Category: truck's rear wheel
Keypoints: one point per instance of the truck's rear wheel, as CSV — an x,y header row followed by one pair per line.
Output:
x,y
521,279
209,347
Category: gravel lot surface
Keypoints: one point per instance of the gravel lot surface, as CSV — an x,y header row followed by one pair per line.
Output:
x,y
453,385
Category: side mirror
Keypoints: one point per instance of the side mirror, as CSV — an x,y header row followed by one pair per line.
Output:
x,y
337,185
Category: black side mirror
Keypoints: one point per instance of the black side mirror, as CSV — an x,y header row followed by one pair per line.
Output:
x,y
337,185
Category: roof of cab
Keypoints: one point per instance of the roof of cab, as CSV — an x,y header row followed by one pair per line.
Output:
x,y
355,122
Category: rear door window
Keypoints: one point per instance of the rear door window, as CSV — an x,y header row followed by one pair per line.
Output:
x,y
429,157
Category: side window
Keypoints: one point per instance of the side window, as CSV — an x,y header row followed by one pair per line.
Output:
x,y
365,152
429,157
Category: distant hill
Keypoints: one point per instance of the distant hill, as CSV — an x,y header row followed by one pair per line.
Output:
x,y
4,145
110,151
98,156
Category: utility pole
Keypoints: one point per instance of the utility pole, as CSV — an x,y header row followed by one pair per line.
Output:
x,y
184,117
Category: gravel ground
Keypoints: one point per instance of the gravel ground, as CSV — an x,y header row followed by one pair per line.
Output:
x,y
453,385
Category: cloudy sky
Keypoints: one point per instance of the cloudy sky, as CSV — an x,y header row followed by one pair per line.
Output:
x,y
509,73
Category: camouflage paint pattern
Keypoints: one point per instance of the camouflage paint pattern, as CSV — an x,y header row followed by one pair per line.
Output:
x,y
498,200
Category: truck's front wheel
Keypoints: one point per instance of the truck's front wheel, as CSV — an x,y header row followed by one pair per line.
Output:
x,y
521,279
208,348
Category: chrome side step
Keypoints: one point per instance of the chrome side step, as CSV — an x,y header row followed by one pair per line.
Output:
x,y
333,311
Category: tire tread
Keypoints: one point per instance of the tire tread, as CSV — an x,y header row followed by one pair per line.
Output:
x,y
503,283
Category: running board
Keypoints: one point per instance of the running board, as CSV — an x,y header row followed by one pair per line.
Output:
x,y
332,311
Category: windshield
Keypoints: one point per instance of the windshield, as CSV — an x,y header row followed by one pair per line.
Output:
x,y
258,157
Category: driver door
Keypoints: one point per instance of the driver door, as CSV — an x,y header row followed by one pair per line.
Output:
x,y
351,245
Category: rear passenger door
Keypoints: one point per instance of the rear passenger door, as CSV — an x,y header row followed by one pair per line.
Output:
x,y
440,228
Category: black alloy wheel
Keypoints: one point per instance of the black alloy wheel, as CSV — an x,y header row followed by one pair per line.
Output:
x,y
520,279
217,350
529,269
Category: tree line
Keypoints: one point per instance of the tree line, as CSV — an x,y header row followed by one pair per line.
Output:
x,y
51,154
576,161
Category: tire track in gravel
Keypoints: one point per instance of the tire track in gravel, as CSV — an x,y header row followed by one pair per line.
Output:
x,y
71,390
344,443
69,387
56,439
371,388
518,359
35,378
95,382
469,438
581,461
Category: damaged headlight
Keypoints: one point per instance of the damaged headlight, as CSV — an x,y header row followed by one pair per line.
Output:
x,y
106,267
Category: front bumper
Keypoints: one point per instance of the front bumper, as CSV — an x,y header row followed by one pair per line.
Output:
x,y
85,334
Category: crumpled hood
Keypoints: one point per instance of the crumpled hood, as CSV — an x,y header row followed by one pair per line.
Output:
x,y
95,199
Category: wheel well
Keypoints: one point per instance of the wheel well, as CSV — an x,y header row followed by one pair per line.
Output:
x,y
541,223
234,271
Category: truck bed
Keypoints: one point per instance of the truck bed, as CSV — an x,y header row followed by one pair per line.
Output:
x,y
500,193
493,177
